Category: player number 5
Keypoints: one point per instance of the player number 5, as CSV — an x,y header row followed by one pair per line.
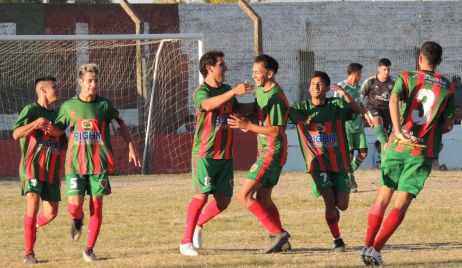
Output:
x,y
73,183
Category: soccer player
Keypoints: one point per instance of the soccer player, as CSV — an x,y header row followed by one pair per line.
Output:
x,y
426,112
40,164
273,109
89,158
354,128
376,91
323,142
212,153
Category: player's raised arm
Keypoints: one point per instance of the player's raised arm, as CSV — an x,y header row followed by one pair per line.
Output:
x,y
347,97
215,102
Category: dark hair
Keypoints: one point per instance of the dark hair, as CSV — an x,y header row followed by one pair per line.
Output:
x,y
323,77
209,58
354,67
269,62
455,78
44,78
384,62
433,52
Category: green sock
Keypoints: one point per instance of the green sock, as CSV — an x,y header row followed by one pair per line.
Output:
x,y
381,134
356,163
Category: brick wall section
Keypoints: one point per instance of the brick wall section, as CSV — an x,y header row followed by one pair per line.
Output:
x,y
337,32
28,18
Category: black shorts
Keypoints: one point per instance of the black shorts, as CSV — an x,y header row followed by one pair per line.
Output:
x,y
384,114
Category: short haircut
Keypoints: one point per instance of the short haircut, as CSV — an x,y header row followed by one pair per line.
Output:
x,y
44,78
209,58
269,62
323,77
456,78
384,62
433,52
354,67
88,68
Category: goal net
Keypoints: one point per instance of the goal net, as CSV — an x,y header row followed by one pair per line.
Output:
x,y
151,89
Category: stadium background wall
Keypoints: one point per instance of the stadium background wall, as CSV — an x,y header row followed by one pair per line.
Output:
x,y
301,36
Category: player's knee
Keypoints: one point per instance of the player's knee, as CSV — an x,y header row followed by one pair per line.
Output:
x,y
223,204
342,206
243,198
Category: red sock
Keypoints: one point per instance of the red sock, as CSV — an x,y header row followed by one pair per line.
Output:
x,y
374,220
75,211
193,213
41,220
274,212
96,219
332,222
390,225
264,217
29,234
210,211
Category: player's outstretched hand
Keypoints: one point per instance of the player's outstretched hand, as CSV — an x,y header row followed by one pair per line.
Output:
x,y
133,157
338,89
238,122
243,88
406,137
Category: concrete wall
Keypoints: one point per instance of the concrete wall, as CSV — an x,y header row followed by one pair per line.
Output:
x,y
337,32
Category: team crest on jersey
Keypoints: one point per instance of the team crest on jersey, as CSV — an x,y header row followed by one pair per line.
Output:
x,y
320,127
253,168
103,183
87,124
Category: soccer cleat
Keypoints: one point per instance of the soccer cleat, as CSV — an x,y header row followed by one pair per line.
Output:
x,y
375,257
277,243
339,245
286,247
351,183
364,256
30,258
197,238
76,228
89,256
188,250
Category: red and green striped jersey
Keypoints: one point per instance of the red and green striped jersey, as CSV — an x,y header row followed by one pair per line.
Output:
x,y
427,98
273,110
322,135
89,150
41,156
213,137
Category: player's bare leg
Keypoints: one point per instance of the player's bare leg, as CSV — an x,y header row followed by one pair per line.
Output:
x,y
192,216
75,209
32,207
213,208
245,198
263,195
50,211
333,202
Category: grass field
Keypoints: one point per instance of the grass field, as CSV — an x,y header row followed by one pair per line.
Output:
x,y
143,224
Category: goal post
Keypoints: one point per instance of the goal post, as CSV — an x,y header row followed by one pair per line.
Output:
x,y
171,74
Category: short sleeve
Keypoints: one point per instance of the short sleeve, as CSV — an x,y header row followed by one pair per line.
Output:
x,y
62,121
295,114
451,106
399,88
112,112
24,117
200,95
277,110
